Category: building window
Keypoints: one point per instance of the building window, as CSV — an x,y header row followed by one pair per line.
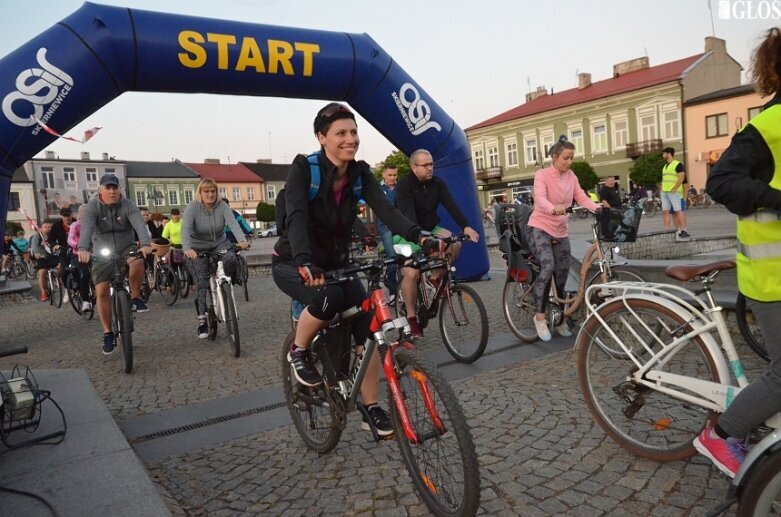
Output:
x,y
251,193
158,195
599,138
647,125
69,175
271,192
92,178
236,193
672,122
479,160
547,143
493,157
620,133
188,196
753,112
576,137
531,151
173,196
512,154
140,197
47,177
716,125
13,201
223,192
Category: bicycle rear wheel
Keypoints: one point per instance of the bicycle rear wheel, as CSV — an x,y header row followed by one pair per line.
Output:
x,y
518,308
123,328
443,463
29,270
313,415
463,323
749,329
640,419
167,285
231,319
650,208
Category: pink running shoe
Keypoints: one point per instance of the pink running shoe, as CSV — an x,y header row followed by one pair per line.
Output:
x,y
726,454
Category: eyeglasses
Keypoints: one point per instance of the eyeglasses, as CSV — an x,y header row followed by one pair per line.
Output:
x,y
428,165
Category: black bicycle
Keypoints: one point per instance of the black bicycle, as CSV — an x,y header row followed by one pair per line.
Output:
x,y
431,431
177,263
121,312
463,320
74,293
242,274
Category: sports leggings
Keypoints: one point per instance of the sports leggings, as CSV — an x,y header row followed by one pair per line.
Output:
x,y
199,269
553,255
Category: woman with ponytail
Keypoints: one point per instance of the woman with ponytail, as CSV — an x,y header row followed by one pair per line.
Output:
x,y
747,180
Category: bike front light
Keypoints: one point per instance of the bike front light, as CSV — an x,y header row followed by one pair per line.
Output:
x,y
616,250
105,252
405,250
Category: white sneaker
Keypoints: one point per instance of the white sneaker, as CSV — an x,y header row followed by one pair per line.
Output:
x,y
86,307
563,330
65,297
542,329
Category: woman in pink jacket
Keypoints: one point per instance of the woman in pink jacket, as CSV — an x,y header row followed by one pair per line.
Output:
x,y
83,269
555,188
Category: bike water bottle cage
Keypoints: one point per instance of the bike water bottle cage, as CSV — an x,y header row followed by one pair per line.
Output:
x,y
314,182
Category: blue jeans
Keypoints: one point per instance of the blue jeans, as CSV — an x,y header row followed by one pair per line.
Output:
x,y
392,273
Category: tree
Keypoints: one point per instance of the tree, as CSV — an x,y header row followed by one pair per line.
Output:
x,y
265,212
397,158
647,170
587,178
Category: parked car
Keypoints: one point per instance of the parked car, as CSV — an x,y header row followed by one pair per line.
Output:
x,y
271,231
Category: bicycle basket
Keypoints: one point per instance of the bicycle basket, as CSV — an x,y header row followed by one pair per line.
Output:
x,y
160,247
618,225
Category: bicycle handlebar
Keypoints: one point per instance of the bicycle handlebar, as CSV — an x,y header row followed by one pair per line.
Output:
x,y
13,351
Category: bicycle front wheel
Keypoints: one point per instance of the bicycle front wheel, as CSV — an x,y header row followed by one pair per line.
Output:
x,y
313,415
650,208
463,323
762,492
167,285
518,307
123,320
616,274
749,328
74,295
242,272
441,460
56,290
184,280
640,419
231,319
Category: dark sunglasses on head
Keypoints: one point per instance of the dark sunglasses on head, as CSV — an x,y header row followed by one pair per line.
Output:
x,y
333,110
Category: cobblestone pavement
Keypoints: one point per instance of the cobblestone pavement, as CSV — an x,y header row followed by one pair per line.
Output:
x,y
540,451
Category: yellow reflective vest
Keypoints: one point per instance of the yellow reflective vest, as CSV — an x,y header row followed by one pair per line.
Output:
x,y
759,235
669,176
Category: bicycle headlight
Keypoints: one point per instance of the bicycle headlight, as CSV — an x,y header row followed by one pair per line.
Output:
x,y
405,250
616,250
105,252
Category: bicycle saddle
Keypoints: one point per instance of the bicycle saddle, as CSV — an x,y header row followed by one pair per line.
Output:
x,y
686,273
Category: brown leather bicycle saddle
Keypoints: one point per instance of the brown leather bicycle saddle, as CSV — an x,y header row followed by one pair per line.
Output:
x,y
686,273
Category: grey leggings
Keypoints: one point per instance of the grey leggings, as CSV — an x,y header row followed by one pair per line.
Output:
x,y
553,254
762,398
199,269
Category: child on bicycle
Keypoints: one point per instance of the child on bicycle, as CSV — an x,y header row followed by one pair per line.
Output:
x,y
318,239
747,180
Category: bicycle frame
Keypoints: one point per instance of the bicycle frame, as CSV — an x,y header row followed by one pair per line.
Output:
x,y
703,318
215,279
381,323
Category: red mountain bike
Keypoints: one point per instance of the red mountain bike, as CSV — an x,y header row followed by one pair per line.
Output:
x,y
434,439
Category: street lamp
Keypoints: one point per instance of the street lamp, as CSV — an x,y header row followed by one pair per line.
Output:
x,y
156,196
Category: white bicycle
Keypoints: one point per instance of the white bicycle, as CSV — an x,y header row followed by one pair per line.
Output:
x,y
221,302
651,365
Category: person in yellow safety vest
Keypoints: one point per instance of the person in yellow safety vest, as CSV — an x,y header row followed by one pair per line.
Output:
x,y
673,176
593,196
747,180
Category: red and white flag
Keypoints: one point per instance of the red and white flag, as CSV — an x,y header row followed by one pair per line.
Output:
x,y
87,134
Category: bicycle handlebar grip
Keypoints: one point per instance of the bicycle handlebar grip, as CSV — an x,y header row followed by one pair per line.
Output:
x,y
13,351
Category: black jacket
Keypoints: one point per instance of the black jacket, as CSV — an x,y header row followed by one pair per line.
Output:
x,y
419,201
58,235
741,178
319,231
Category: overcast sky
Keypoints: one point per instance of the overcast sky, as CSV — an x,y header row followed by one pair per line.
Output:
x,y
476,59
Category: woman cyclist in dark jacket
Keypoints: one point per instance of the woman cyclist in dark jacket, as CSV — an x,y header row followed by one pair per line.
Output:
x,y
316,238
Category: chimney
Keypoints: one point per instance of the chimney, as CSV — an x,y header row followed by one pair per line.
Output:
x,y
211,161
633,65
541,92
50,155
717,45
105,157
584,80
85,155
263,160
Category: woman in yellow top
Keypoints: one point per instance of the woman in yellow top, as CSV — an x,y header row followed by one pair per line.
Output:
x,y
173,229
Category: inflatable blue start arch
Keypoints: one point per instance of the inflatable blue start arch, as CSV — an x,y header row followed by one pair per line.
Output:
x,y
97,53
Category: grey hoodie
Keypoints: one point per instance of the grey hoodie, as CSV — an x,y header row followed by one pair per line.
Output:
x,y
111,226
204,229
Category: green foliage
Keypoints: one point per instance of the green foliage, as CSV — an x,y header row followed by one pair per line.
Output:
x,y
11,227
397,158
265,212
587,178
647,169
